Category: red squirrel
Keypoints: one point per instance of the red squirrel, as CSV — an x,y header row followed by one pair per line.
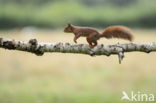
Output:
x,y
92,35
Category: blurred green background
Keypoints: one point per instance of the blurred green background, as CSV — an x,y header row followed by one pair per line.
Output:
x,y
74,78
97,13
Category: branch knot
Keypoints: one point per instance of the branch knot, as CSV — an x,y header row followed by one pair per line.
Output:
x,y
34,48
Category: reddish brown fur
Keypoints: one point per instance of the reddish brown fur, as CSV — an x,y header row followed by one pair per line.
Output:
x,y
93,35
117,32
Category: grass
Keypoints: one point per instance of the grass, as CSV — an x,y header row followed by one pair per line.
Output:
x,y
73,78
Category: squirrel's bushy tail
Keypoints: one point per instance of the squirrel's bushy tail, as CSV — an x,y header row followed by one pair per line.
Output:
x,y
117,32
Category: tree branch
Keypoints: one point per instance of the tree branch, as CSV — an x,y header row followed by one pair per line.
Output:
x,y
40,48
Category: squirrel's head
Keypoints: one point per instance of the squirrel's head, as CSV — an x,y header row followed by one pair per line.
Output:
x,y
68,28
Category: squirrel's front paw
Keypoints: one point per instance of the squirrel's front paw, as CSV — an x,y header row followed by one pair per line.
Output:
x,y
75,41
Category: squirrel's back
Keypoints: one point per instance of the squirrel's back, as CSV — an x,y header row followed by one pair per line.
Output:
x,y
85,30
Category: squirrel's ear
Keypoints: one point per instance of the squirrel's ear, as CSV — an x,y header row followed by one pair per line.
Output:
x,y
69,24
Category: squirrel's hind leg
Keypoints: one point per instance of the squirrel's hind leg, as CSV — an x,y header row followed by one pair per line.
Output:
x,y
92,44
95,43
